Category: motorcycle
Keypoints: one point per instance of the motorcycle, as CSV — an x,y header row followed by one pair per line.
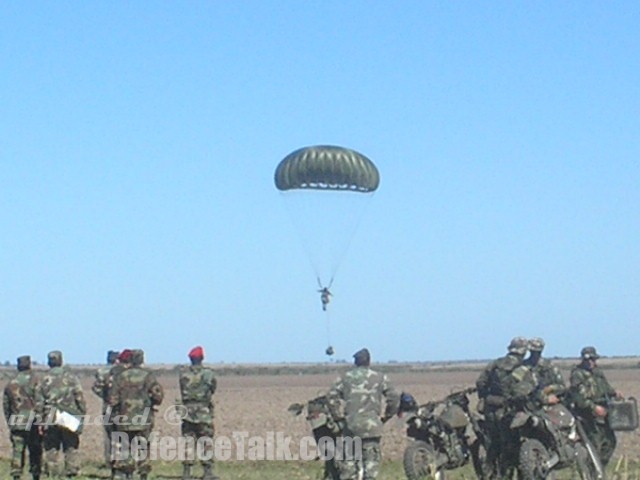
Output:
x,y
441,440
551,439
323,428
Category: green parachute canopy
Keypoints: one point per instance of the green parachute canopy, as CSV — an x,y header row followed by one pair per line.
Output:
x,y
326,167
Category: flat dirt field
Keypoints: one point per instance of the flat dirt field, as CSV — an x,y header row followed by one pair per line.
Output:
x,y
254,399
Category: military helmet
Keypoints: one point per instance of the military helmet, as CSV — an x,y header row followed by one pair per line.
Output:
x,y
588,353
362,357
137,357
518,345
24,362
54,358
536,344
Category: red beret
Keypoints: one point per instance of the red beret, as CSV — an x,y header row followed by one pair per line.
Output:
x,y
125,355
196,352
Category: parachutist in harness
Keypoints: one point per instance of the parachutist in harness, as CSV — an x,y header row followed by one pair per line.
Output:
x,y
325,297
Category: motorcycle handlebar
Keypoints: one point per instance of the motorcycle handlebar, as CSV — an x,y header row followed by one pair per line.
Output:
x,y
459,393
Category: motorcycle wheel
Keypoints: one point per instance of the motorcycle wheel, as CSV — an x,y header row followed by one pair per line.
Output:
x,y
588,463
533,456
479,458
419,462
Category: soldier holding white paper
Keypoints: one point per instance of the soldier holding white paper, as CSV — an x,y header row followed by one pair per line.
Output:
x,y
58,396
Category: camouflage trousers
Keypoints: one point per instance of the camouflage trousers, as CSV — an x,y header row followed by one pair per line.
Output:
x,y
21,442
56,439
367,460
196,450
503,448
602,438
108,428
106,440
123,448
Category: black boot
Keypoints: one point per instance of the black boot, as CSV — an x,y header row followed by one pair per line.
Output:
x,y
208,473
186,471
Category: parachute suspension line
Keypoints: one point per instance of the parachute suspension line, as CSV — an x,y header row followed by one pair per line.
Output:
x,y
321,286
331,169
329,350
325,297
326,263
289,208
358,219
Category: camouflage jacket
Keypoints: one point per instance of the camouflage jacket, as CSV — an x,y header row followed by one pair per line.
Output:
x,y
19,401
197,386
101,381
357,398
521,387
589,388
133,394
494,379
101,384
547,376
505,382
60,389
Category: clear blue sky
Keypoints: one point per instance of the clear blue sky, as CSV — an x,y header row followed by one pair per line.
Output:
x,y
138,142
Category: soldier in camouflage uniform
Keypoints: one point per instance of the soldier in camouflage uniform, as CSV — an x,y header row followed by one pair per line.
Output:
x,y
101,389
134,394
59,390
503,388
197,386
123,362
551,385
355,401
590,392
19,411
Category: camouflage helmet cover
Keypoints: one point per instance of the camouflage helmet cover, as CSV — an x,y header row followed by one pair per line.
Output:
x,y
518,345
536,344
137,357
24,362
54,357
589,353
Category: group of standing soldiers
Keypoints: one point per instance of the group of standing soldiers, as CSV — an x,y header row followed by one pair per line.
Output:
x,y
31,406
37,408
129,390
513,383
